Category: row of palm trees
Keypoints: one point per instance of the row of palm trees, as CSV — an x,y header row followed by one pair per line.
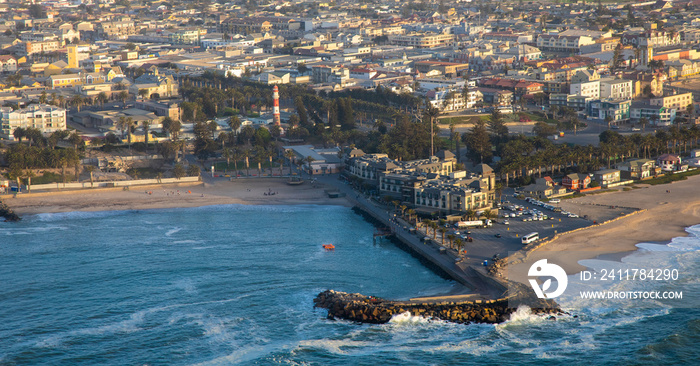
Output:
x,y
528,156
78,101
440,225
258,155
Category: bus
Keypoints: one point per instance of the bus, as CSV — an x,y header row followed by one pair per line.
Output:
x,y
531,237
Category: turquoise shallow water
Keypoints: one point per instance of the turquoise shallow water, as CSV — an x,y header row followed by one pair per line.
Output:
x,y
235,285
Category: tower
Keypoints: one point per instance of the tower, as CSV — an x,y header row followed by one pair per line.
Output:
x,y
276,106
72,56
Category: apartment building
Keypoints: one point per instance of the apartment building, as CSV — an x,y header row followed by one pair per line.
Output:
x,y
115,30
45,118
616,88
586,89
31,48
677,101
422,40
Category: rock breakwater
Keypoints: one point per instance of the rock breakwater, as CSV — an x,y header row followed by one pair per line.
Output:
x,y
374,310
7,213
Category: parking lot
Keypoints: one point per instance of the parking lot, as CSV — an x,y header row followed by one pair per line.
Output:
x,y
486,244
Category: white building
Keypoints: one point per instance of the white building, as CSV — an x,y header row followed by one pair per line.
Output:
x,y
45,118
616,88
586,89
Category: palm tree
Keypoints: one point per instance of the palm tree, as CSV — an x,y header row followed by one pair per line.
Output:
x,y
146,125
289,154
431,113
488,214
280,161
434,225
246,156
451,238
122,125
442,230
411,212
123,96
426,225
77,101
130,125
227,153
236,155
470,214
643,121
309,159
102,98
459,243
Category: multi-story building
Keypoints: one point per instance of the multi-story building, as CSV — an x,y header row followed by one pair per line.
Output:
x,y
45,118
656,115
248,25
617,109
677,101
31,48
586,89
450,69
653,37
329,74
428,185
115,30
186,36
560,43
616,88
422,40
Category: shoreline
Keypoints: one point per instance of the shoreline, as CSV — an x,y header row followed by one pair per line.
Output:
x,y
666,211
253,191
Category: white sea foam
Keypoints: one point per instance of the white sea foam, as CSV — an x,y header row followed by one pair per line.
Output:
x,y
407,319
173,231
76,215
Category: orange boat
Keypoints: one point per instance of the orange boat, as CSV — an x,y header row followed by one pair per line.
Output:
x,y
328,246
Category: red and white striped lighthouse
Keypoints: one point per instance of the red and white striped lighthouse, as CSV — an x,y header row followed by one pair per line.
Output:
x,y
276,105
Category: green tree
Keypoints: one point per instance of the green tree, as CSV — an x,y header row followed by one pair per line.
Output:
x,y
497,126
178,171
478,142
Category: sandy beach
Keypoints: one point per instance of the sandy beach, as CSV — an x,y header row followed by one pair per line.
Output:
x,y
253,191
667,210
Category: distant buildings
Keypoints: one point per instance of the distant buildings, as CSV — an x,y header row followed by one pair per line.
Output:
x,y
45,118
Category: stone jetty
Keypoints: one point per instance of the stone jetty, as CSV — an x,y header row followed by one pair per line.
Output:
x,y
7,213
374,310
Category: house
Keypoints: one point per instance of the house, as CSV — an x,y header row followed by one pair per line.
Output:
x,y
606,176
669,162
637,169
575,181
8,63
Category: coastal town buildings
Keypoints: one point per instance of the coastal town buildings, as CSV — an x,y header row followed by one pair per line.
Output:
x,y
45,118
428,185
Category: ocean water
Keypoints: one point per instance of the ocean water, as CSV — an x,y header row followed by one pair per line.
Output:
x,y
235,284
